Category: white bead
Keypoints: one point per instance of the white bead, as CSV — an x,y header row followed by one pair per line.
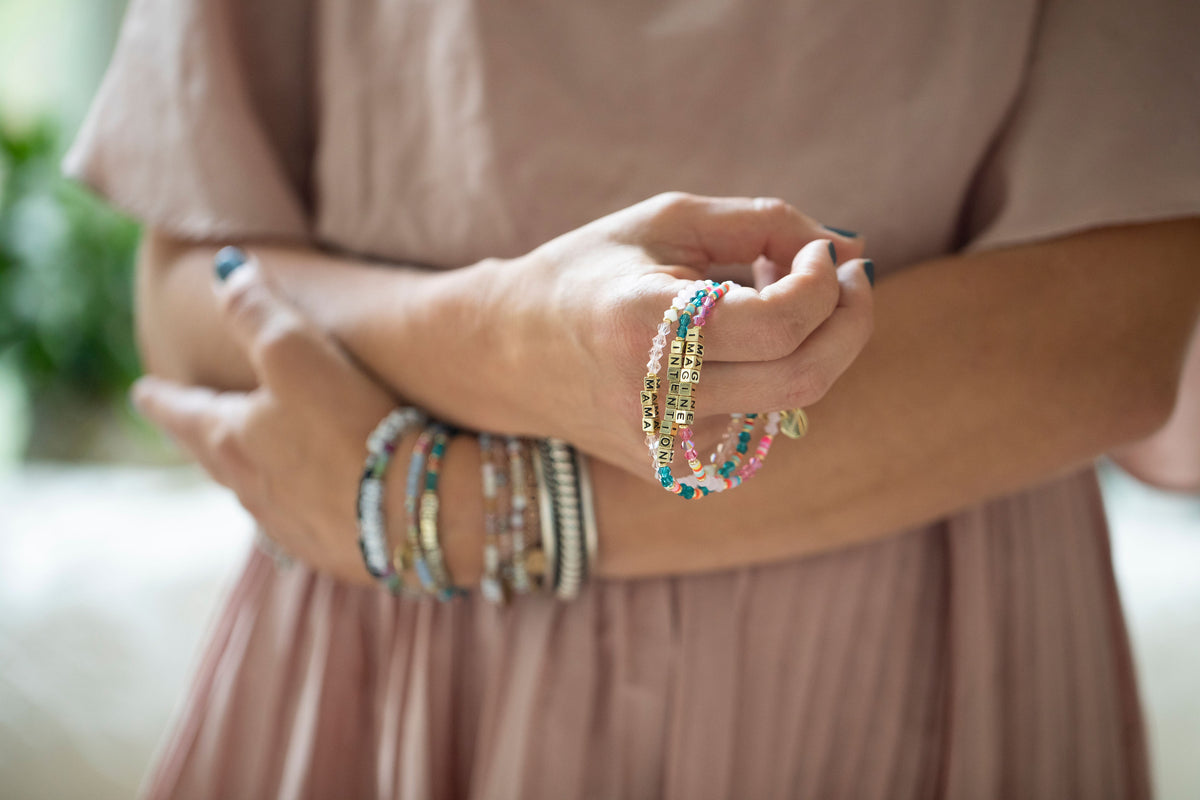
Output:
x,y
672,314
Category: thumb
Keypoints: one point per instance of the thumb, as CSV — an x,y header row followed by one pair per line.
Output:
x,y
276,337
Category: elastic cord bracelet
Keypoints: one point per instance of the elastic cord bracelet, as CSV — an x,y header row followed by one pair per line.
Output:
x,y
691,309
519,562
412,503
547,525
372,523
491,585
431,545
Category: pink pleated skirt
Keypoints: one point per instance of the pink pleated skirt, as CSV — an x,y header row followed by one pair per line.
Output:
x,y
984,656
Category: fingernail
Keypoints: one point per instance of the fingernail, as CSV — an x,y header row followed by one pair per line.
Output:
x,y
832,252
840,231
227,260
869,268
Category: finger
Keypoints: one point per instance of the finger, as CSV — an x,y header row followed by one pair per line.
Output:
x,y
199,419
284,347
803,377
749,325
739,229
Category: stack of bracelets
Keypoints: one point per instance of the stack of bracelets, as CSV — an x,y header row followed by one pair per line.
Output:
x,y
539,519
547,545
687,314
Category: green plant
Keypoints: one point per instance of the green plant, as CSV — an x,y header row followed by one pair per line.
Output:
x,y
66,264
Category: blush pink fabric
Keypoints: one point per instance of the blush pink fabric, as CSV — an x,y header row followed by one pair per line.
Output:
x,y
981,656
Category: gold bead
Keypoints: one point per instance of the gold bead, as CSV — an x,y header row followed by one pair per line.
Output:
x,y
648,424
676,347
535,562
664,457
693,349
693,334
689,375
674,361
650,383
649,398
683,417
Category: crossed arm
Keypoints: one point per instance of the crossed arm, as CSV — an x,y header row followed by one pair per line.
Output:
x,y
985,373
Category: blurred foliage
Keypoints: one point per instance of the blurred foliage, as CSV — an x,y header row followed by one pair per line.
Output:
x,y
66,272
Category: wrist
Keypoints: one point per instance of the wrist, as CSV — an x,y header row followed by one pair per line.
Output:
x,y
460,515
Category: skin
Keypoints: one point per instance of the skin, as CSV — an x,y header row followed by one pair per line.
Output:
x,y
573,318
1081,352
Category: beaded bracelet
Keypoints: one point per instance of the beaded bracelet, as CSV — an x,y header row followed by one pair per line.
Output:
x,y
491,585
372,525
412,499
691,308
522,561
431,545
683,375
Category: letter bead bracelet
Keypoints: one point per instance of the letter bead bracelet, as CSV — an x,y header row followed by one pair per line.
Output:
x,y
688,313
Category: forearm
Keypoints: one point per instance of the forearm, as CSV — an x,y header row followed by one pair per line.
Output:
x,y
378,312
986,373
1170,458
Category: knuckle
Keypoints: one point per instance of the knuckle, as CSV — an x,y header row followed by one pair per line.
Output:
x,y
807,382
820,289
672,203
281,343
244,301
225,445
774,207
781,338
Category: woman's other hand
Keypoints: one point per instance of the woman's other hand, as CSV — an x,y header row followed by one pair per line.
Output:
x,y
293,448
555,343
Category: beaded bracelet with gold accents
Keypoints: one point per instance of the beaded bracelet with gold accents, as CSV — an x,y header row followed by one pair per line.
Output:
x,y
431,545
683,374
526,563
412,502
491,585
687,351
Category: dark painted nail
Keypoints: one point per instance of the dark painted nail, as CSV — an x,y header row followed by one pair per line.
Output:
x,y
833,252
869,268
227,260
841,231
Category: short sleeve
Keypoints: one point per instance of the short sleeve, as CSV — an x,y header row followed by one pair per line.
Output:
x,y
202,123
1106,129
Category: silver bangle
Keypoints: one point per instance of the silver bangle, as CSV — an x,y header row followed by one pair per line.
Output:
x,y
546,524
564,486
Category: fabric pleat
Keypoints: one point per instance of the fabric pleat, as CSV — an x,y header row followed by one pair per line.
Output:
x,y
971,658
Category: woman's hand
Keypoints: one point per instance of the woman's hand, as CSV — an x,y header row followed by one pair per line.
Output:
x,y
292,449
555,343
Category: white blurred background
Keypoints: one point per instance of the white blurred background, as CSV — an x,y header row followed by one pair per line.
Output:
x,y
113,557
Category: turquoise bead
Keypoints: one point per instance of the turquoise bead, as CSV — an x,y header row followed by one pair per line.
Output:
x,y
687,491
665,481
